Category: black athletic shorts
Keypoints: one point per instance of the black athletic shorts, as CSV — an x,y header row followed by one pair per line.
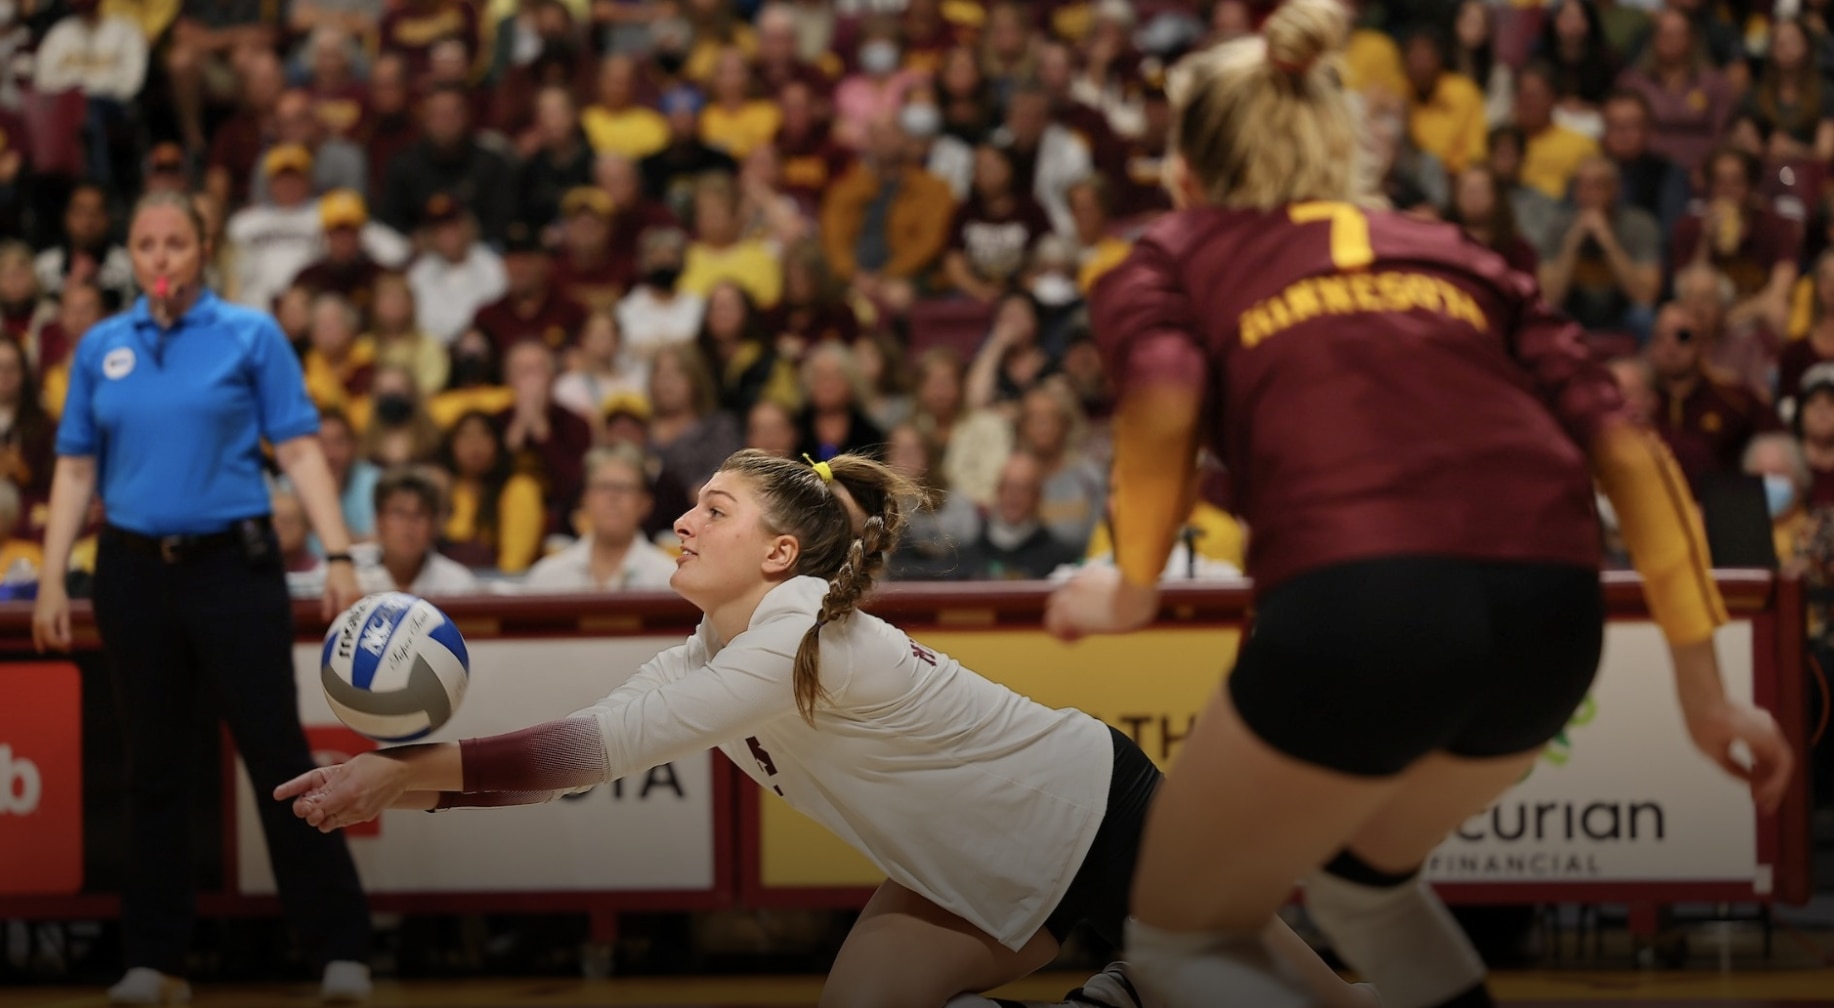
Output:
x,y
1099,892
1365,667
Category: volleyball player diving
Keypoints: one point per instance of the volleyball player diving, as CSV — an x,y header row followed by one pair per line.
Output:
x,y
999,822
1413,438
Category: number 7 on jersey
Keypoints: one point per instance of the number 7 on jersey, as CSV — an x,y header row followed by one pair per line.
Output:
x,y
1350,248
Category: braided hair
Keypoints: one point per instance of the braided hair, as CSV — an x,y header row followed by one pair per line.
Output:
x,y
847,528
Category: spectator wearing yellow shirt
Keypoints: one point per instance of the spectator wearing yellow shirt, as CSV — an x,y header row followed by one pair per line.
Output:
x,y
496,515
399,339
1553,152
887,220
1445,111
734,121
714,25
618,123
14,549
1097,250
719,252
340,363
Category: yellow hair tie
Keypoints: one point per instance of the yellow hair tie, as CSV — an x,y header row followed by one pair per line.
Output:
x,y
822,469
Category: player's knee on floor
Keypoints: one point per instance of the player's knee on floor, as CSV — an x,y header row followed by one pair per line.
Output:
x,y
1394,931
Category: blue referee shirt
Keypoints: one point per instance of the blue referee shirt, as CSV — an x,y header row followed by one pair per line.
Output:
x,y
175,419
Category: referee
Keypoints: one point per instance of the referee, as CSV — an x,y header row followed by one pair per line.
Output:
x,y
168,406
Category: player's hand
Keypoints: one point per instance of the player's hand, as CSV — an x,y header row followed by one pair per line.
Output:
x,y
51,615
345,794
1099,601
1721,727
1718,728
341,591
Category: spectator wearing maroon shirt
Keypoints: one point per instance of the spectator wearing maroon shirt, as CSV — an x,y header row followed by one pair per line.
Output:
x,y
546,440
1706,421
449,159
993,232
237,144
413,27
632,212
778,64
337,95
813,309
1690,101
1746,241
1814,423
346,268
586,269
1487,218
928,35
388,125
532,309
561,160
810,160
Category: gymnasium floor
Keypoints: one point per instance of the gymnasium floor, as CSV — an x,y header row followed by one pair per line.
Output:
x,y
1797,988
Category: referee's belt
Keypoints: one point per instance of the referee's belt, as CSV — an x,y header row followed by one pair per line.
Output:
x,y
179,548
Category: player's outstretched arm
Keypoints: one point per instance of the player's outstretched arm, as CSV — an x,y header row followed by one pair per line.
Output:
x,y
1668,546
359,789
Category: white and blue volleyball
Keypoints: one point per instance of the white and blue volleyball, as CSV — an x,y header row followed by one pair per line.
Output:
x,y
394,667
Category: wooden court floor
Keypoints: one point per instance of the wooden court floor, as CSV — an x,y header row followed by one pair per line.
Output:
x,y
1797,988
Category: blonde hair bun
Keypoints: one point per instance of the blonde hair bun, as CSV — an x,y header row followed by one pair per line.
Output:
x,y
1301,32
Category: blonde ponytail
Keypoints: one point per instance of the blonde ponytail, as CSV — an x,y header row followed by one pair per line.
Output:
x,y
1289,75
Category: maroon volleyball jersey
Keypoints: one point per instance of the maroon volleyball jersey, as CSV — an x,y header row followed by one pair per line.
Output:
x,y
1376,385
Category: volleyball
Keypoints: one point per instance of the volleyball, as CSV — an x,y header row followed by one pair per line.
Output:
x,y
394,667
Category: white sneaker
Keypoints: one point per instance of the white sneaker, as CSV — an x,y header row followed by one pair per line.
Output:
x,y
345,982
146,986
1108,989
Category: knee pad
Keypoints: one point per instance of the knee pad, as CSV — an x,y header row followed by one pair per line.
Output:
x,y
1207,970
1394,931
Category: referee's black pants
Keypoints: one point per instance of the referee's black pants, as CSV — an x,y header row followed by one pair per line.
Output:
x,y
176,633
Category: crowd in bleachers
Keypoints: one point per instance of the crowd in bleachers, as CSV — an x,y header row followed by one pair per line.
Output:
x,y
547,262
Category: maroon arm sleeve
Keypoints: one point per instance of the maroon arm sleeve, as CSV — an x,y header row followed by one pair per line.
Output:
x,y
1577,388
531,765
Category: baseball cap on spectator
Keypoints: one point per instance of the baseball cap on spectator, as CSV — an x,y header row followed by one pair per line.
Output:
x,y
441,208
634,405
590,199
681,99
286,157
1819,378
342,208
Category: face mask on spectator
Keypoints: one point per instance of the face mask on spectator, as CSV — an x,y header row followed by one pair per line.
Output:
x,y
394,409
1779,493
879,57
1054,290
470,370
920,120
663,277
670,62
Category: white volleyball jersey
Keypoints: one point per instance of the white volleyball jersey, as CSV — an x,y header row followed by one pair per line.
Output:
x,y
980,800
